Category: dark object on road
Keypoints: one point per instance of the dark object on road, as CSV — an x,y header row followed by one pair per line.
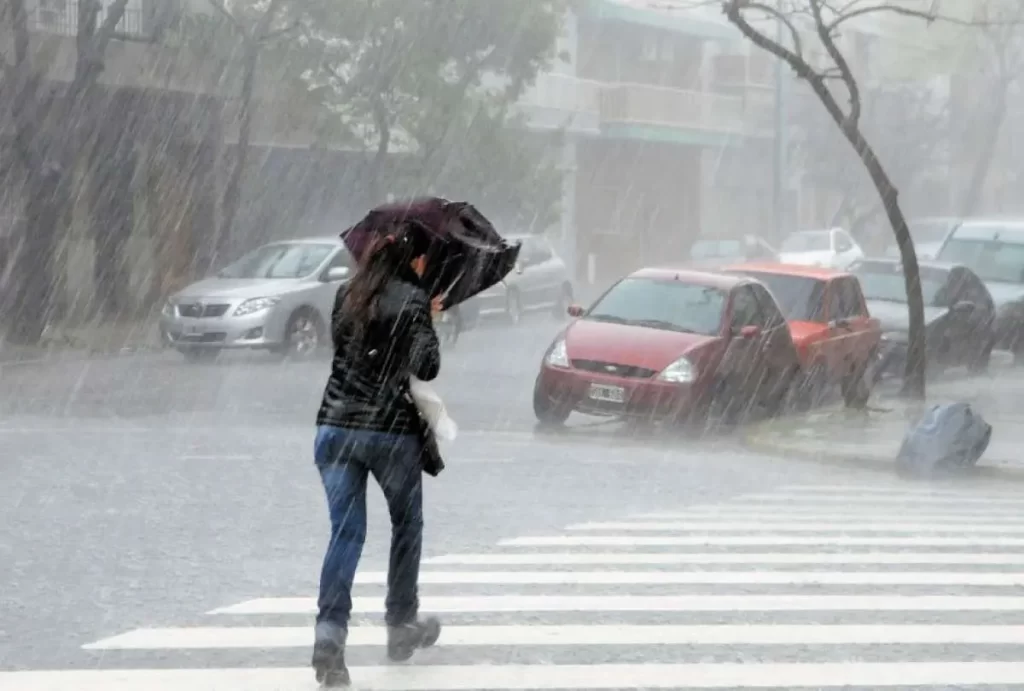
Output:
x,y
948,437
466,257
959,315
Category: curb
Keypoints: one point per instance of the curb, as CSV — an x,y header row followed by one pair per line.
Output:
x,y
755,440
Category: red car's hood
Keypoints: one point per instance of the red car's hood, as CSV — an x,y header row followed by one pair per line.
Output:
x,y
621,344
802,331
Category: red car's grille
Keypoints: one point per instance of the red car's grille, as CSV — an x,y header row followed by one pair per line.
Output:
x,y
627,371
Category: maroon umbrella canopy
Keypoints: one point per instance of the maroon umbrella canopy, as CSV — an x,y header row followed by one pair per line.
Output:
x,y
467,254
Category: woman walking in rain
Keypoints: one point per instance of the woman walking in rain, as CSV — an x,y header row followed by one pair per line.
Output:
x,y
383,333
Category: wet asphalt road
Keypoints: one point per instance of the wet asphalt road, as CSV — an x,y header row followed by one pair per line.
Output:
x,y
142,492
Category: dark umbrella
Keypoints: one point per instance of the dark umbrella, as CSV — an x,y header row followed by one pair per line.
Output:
x,y
466,257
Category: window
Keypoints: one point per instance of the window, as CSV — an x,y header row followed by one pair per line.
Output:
x,y
991,260
813,241
664,305
540,250
716,249
800,298
280,260
342,259
769,315
844,299
744,308
844,243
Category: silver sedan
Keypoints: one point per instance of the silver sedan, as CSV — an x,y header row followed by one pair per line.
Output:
x,y
277,298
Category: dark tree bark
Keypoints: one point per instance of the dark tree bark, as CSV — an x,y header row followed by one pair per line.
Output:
x,y
253,40
848,123
50,127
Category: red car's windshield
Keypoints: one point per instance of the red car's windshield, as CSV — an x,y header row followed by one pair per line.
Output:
x,y
660,304
800,298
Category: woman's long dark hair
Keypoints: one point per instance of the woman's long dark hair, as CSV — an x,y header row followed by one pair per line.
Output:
x,y
387,257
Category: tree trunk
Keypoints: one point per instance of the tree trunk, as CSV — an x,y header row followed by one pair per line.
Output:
x,y
34,259
380,121
914,375
233,191
983,163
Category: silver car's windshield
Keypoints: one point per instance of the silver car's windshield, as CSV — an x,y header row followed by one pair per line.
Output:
x,y
279,260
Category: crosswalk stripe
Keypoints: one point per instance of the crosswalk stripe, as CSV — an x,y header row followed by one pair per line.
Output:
x,y
1012,517
519,677
838,498
698,577
908,490
798,527
474,604
228,637
756,541
662,558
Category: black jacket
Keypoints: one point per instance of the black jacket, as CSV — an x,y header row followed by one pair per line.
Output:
x,y
369,383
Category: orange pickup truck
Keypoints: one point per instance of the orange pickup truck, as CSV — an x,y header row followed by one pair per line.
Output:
x,y
835,336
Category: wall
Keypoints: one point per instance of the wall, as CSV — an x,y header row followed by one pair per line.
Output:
x,y
636,204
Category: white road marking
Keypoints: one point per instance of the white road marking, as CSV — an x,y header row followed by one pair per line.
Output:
x,y
756,541
648,603
905,490
652,558
224,637
1010,516
499,677
798,527
838,499
704,578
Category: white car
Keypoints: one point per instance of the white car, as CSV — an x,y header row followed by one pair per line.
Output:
x,y
833,248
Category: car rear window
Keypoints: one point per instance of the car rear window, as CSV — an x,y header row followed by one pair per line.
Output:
x,y
661,304
711,249
801,298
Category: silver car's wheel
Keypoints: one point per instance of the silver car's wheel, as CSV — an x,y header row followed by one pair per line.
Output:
x,y
303,335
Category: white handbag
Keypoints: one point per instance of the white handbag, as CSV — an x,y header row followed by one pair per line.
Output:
x,y
432,409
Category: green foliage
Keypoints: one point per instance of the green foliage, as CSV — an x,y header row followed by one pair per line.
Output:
x,y
435,80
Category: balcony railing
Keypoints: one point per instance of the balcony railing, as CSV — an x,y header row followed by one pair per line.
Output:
x,y
645,104
61,17
642,104
563,92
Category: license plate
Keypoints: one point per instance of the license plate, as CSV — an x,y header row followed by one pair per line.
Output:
x,y
610,394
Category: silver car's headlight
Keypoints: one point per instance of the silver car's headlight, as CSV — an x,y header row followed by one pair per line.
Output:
x,y
681,371
168,310
255,305
558,356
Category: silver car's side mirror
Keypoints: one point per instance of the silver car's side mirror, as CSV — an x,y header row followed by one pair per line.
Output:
x,y
336,273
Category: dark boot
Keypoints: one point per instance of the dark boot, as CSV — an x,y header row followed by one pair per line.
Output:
x,y
329,655
404,640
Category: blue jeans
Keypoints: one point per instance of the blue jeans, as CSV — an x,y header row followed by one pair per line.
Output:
x,y
345,457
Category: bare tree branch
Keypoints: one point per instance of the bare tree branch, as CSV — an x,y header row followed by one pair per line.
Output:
x,y
827,39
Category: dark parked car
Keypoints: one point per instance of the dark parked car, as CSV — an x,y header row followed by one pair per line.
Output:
x,y
959,314
541,281
994,250
670,344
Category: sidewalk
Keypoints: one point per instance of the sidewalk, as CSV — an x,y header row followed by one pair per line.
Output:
x,y
871,439
84,341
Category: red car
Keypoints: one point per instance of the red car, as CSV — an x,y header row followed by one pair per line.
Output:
x,y
670,344
836,338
